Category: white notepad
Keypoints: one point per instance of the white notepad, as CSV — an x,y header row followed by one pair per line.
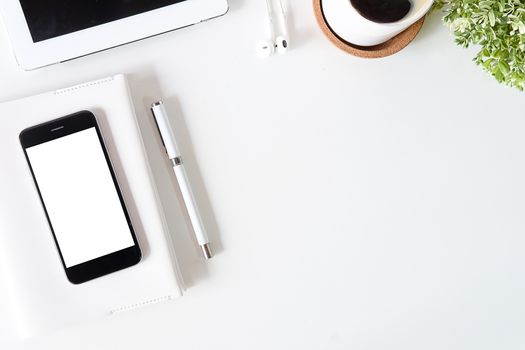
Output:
x,y
40,296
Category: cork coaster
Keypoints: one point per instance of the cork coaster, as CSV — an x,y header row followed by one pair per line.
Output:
x,y
385,49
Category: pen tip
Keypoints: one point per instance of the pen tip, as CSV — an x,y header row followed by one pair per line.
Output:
x,y
206,251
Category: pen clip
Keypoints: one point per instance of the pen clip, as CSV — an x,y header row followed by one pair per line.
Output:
x,y
158,129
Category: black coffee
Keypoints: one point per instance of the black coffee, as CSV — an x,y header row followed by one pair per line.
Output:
x,y
382,11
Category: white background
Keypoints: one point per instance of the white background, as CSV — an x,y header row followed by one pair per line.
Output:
x,y
353,204
80,197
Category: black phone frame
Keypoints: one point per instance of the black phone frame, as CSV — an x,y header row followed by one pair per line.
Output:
x,y
62,127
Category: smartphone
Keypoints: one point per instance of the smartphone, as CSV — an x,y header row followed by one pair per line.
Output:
x,y
81,197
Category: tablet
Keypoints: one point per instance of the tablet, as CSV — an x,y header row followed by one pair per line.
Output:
x,y
52,31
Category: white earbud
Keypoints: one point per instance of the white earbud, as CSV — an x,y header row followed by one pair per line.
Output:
x,y
279,43
264,48
282,41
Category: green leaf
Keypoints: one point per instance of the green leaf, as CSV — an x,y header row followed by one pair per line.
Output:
x,y
492,19
504,67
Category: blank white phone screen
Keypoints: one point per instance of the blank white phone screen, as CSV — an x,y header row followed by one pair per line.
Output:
x,y
80,197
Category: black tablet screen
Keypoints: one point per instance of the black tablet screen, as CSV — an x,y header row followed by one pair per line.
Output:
x,y
48,19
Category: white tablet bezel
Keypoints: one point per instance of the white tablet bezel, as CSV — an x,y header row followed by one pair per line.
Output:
x,y
31,55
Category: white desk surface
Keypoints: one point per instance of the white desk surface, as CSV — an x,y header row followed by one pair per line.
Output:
x,y
354,204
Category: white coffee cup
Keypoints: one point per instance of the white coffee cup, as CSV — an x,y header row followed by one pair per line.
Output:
x,y
344,20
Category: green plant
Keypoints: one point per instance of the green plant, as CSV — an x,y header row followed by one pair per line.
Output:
x,y
498,27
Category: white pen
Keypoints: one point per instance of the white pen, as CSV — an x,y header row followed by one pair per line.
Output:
x,y
170,144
